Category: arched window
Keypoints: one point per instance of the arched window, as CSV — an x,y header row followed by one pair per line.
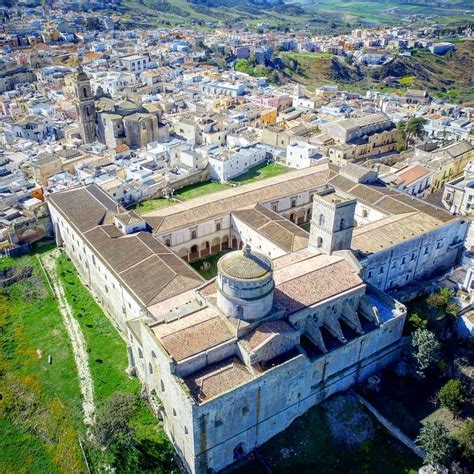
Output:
x,y
320,242
84,91
341,225
150,368
240,311
321,219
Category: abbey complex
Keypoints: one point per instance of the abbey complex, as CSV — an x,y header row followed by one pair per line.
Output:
x,y
291,318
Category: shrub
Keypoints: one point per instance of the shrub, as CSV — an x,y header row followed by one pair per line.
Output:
x,y
439,299
416,322
113,418
466,439
452,396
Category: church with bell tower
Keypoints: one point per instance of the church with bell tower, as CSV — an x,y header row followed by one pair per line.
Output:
x,y
85,107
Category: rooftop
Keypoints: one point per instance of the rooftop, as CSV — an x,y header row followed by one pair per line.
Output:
x,y
245,264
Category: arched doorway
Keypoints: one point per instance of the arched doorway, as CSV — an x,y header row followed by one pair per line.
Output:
x,y
239,451
194,253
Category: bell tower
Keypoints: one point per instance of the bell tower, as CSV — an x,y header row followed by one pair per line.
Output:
x,y
332,222
85,106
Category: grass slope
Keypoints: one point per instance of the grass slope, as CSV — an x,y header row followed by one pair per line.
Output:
x,y
108,363
40,412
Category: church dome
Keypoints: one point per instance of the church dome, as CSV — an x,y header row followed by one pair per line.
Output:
x,y
245,265
245,284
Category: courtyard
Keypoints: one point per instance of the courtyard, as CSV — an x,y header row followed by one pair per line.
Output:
x,y
260,172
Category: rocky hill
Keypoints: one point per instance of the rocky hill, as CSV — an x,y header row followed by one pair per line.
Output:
x,y
450,75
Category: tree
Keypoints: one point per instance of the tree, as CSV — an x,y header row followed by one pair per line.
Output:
x,y
401,135
425,350
408,131
415,128
466,439
435,440
113,418
452,396
439,299
274,78
416,322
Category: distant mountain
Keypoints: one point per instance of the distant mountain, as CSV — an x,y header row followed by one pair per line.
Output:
x,y
233,3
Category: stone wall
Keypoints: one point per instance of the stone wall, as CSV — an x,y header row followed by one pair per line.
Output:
x,y
191,178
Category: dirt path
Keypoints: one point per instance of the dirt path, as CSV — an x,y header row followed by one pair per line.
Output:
x,y
76,337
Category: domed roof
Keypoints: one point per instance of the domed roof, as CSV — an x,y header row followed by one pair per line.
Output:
x,y
245,264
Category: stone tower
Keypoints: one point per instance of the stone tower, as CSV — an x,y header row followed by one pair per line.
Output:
x,y
85,106
332,222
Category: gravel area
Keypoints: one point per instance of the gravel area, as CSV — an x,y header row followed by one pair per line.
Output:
x,y
348,422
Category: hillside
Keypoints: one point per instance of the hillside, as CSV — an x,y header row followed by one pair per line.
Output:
x,y
387,11
450,75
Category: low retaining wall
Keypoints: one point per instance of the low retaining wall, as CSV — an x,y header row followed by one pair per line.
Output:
x,y
391,428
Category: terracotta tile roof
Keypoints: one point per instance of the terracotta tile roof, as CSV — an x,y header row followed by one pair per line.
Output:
x,y
276,228
266,331
207,207
217,379
196,338
411,174
313,281
149,269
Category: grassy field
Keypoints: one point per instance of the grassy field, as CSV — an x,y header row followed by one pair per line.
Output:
x,y
108,364
40,413
192,191
382,11
41,417
188,192
447,76
336,436
262,171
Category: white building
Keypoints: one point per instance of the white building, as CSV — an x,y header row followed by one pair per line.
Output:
x,y
135,63
232,163
302,155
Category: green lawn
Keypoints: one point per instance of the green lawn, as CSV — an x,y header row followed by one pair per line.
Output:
x,y
108,364
306,226
262,171
212,260
41,411
188,192
41,416
192,191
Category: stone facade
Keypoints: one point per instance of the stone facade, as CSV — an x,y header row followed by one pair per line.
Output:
x,y
332,222
85,107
